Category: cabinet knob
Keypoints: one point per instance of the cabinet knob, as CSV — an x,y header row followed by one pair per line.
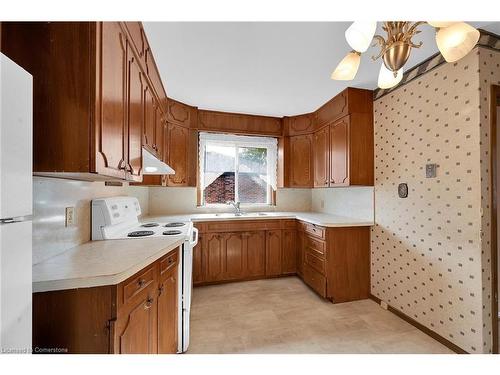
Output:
x,y
148,304
141,282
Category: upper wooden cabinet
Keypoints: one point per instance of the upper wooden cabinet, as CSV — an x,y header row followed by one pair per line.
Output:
x,y
178,147
300,165
296,125
321,151
239,123
351,100
181,114
95,96
343,153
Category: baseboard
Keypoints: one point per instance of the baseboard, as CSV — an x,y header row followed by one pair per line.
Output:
x,y
252,278
421,327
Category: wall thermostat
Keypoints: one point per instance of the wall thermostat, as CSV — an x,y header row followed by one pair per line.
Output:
x,y
430,170
403,190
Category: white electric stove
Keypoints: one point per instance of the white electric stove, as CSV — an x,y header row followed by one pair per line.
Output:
x,y
118,218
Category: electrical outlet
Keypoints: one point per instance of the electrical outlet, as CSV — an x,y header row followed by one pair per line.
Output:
x,y
322,203
384,305
70,216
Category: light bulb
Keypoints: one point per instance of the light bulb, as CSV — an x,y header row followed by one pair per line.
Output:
x,y
347,68
456,41
360,34
386,78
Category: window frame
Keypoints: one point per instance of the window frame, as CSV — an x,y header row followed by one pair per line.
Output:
x,y
240,141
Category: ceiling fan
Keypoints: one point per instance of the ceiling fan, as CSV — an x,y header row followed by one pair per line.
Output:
x,y
454,40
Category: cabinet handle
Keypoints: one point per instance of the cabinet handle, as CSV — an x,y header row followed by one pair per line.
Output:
x,y
160,289
148,304
141,282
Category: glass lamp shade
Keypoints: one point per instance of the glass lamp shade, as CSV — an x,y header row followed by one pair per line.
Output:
x,y
360,34
386,78
440,24
456,41
347,68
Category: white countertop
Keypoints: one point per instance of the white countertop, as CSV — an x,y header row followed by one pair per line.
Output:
x,y
109,262
98,263
322,219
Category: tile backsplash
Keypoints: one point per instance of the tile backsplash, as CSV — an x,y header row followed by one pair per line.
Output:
x,y
50,198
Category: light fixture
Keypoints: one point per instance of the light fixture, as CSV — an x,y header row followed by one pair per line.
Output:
x,y
348,67
360,34
454,40
439,24
387,78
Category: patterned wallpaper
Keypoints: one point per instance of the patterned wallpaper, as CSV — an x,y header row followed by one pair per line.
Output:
x,y
428,258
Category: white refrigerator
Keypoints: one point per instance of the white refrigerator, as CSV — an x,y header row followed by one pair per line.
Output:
x,y
16,113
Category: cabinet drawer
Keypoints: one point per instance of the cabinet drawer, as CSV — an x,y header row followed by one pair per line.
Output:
x,y
316,245
314,279
168,262
134,286
314,261
314,230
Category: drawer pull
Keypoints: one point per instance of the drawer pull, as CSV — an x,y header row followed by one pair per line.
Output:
x,y
141,282
148,304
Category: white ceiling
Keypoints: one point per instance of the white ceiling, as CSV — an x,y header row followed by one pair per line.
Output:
x,y
273,68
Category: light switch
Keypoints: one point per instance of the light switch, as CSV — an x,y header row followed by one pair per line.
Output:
x,y
70,216
430,170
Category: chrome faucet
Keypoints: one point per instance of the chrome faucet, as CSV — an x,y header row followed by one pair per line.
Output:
x,y
236,206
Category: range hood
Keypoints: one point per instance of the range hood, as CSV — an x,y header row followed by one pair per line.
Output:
x,y
152,165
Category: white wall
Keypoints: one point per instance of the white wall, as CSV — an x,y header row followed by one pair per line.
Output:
x,y
50,198
356,202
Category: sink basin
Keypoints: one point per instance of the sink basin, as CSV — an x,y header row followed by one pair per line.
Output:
x,y
225,214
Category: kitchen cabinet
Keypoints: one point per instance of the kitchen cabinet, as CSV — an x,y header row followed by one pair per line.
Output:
x,y
234,257
213,253
301,161
339,153
178,146
95,76
289,252
135,328
167,312
255,253
321,147
273,253
138,315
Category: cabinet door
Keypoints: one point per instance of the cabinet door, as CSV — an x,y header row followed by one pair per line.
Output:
x,y
135,116
289,252
178,137
234,256
137,329
300,253
149,119
273,253
111,158
256,253
321,150
339,153
168,314
301,161
159,125
213,252
198,262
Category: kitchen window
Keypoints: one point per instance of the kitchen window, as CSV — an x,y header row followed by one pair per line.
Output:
x,y
237,168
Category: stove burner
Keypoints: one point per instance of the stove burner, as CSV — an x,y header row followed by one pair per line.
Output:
x,y
171,232
150,225
175,224
140,233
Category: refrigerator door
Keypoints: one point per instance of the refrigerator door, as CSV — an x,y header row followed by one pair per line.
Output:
x,y
15,287
16,114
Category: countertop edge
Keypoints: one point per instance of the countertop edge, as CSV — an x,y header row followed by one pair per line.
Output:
x,y
105,280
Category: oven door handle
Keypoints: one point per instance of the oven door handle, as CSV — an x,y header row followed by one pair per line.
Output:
x,y
194,241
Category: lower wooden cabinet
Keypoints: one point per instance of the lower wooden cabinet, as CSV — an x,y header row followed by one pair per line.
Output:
x,y
334,262
139,315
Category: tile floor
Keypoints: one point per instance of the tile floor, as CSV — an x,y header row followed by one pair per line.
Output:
x,y
284,316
